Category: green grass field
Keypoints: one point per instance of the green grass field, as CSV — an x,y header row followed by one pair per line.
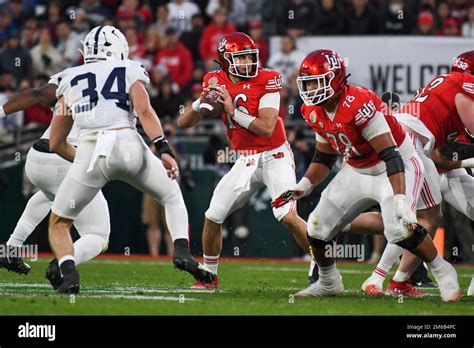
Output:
x,y
119,287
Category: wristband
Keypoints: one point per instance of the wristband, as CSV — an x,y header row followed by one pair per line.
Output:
x,y
162,146
243,119
195,104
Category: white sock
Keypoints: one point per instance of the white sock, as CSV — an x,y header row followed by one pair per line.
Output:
x,y
36,210
400,276
65,258
211,262
87,247
390,255
436,265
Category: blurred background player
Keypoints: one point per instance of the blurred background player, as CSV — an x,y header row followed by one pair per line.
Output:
x,y
381,166
439,113
251,101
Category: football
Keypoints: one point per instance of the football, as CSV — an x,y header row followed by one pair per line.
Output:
x,y
210,107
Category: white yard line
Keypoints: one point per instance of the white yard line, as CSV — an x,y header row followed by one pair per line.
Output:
x,y
109,296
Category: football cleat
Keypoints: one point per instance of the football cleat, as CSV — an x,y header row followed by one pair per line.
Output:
x,y
372,289
14,264
53,274
470,291
404,288
207,286
70,279
183,260
448,285
420,278
330,287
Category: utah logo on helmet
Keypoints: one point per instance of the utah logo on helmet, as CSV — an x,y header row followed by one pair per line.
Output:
x,y
234,47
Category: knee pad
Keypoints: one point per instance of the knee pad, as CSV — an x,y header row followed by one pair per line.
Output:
x,y
415,238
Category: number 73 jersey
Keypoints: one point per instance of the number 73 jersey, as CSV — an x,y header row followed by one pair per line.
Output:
x,y
349,128
98,94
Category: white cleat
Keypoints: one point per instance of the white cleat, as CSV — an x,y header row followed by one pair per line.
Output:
x,y
372,287
470,291
448,284
318,289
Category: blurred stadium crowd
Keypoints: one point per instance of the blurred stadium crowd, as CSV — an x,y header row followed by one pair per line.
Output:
x,y
176,42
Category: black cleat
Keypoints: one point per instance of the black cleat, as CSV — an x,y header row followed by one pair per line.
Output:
x,y
183,260
70,279
420,278
13,263
53,274
313,278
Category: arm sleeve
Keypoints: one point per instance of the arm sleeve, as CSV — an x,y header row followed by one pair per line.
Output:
x,y
270,100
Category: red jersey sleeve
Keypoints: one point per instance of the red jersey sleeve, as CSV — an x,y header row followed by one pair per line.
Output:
x,y
272,81
468,85
366,104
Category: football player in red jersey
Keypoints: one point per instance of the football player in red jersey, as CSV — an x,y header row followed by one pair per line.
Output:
x,y
438,113
251,100
381,166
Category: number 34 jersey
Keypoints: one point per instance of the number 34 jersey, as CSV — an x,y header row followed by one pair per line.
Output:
x,y
346,131
247,97
98,94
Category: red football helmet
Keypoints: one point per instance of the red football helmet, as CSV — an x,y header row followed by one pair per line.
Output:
x,y
231,47
327,69
464,63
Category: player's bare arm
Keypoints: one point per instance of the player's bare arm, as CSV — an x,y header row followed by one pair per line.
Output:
x,y
45,95
263,125
61,125
191,115
465,109
152,127
323,160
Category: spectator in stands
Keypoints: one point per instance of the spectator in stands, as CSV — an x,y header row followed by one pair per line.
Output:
x,y
425,23
80,24
18,15
298,18
96,13
15,59
397,18
29,34
330,20
54,16
180,14
443,12
255,32
288,59
167,102
177,59
137,49
128,11
468,27
68,44
159,73
217,28
449,28
162,19
460,10
152,44
361,19
45,58
192,39
5,27
426,5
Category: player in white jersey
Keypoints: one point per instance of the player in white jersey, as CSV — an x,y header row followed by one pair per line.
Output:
x,y
103,116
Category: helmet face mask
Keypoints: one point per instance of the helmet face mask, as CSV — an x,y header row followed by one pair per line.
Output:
x,y
318,95
104,43
233,52
322,75
249,69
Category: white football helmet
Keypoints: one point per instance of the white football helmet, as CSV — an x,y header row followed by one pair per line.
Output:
x,y
104,42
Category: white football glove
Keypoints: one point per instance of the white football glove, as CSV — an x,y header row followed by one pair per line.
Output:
x,y
301,189
467,163
403,212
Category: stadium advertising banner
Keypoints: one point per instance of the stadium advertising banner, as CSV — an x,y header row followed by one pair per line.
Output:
x,y
389,63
